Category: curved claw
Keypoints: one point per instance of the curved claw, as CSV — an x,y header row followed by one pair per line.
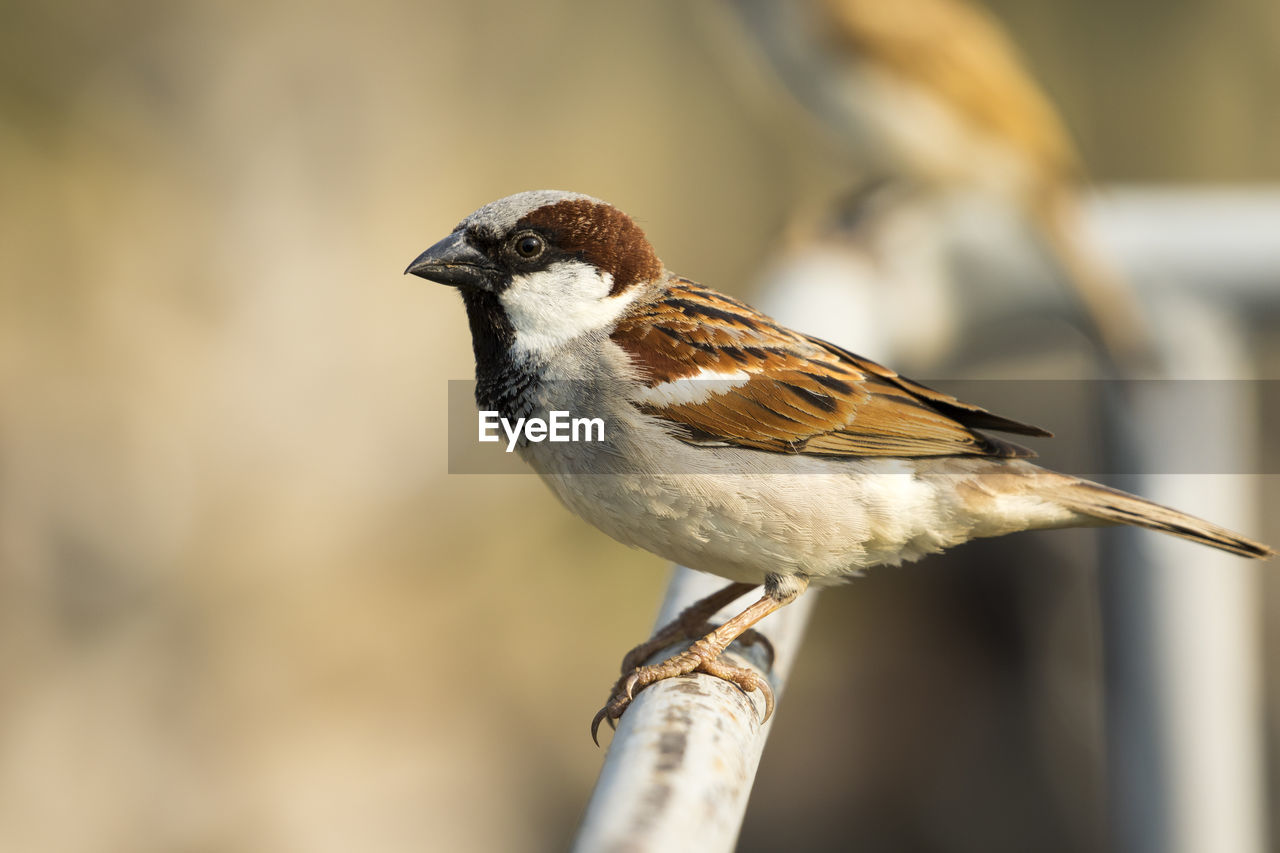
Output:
x,y
763,684
630,685
602,714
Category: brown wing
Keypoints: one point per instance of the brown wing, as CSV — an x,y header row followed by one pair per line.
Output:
x,y
723,373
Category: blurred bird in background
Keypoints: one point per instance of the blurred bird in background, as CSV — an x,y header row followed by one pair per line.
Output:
x,y
932,93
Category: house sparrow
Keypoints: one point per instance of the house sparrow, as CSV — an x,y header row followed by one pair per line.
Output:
x,y
734,445
934,93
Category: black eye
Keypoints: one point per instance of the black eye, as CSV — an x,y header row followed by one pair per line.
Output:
x,y
529,246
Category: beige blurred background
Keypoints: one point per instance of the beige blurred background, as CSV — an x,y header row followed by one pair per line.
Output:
x,y
242,604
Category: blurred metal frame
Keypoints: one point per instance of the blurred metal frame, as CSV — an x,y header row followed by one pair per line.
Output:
x,y
1181,633
1182,639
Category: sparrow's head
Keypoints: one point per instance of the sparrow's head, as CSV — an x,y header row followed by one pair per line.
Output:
x,y
542,268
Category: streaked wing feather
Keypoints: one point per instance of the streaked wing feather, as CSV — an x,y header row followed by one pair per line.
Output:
x,y
803,395
964,413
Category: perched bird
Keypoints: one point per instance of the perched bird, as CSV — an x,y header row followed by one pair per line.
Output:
x,y
934,93
731,444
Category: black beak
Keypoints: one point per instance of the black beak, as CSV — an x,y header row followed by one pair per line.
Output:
x,y
454,261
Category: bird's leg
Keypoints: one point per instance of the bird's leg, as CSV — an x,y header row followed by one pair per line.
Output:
x,y
703,655
692,622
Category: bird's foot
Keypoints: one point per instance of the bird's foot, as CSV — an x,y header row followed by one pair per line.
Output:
x,y
702,656
635,658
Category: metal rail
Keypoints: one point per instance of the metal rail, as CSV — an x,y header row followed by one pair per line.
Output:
x,y
1180,623
682,762
1181,629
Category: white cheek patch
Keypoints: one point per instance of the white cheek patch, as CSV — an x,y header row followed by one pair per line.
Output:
x,y
553,306
695,388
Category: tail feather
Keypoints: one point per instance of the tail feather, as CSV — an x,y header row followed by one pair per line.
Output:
x,y
1117,507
